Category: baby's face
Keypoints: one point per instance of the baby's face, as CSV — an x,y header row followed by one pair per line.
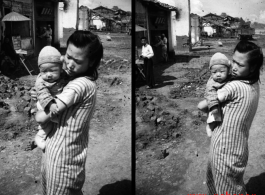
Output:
x,y
219,73
50,72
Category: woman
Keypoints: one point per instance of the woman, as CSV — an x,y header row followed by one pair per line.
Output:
x,y
229,143
63,163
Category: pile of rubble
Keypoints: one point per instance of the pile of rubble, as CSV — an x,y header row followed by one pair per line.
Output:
x,y
15,89
163,124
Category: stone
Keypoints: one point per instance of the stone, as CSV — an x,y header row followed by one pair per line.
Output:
x,y
176,134
149,97
138,119
138,99
26,97
150,107
3,88
147,116
153,118
27,109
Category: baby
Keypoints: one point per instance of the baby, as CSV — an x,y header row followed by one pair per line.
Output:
x,y
50,82
220,74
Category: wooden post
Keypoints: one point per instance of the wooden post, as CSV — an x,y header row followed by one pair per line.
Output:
x,y
190,44
1,33
77,15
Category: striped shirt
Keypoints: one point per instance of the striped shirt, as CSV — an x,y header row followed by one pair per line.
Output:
x,y
229,142
63,163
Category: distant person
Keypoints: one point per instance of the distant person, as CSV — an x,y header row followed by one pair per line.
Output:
x,y
220,75
160,43
147,54
164,48
49,30
46,36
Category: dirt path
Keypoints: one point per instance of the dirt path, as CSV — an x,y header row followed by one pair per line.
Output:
x,y
176,163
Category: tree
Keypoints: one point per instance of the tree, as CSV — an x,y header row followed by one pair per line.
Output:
x,y
223,14
115,8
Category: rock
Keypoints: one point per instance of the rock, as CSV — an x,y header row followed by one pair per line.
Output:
x,y
150,107
154,99
149,97
27,109
28,88
10,135
161,154
153,118
143,104
176,134
143,98
138,119
3,88
26,97
196,113
21,88
19,94
21,105
147,116
160,119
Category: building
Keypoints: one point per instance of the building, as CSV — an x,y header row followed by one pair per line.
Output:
x,y
41,14
157,17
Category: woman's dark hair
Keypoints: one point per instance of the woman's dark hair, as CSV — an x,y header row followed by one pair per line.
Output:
x,y
255,58
83,39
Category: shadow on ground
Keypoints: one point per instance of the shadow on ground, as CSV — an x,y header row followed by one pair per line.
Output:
x,y
159,68
256,185
118,188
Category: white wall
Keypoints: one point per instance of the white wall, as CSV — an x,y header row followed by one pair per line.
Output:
x,y
209,30
98,23
69,17
182,23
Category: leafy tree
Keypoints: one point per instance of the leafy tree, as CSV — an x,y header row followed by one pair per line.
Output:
x,y
223,14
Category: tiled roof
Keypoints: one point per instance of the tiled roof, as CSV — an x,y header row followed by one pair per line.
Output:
x,y
169,7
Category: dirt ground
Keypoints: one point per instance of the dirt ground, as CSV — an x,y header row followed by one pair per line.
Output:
x,y
108,166
171,143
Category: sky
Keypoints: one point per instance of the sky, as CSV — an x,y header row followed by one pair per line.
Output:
x,y
122,4
253,10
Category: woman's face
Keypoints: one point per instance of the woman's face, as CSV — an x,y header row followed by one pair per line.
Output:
x,y
240,65
76,60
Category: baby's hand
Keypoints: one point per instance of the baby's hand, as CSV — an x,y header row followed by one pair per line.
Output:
x,y
53,109
33,94
214,110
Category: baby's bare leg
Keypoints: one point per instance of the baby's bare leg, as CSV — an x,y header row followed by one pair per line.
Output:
x,y
203,106
42,134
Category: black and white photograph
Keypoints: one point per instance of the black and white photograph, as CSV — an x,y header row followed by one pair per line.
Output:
x,y
199,97
65,97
